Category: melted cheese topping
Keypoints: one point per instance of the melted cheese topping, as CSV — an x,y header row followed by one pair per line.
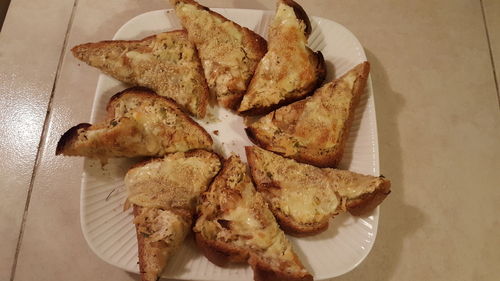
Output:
x,y
235,213
166,63
224,55
306,193
309,194
142,126
174,182
287,68
313,126
351,185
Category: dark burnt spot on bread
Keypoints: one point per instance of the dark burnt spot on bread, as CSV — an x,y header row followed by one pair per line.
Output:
x,y
69,136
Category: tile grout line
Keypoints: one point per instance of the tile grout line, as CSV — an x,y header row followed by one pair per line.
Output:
x,y
490,51
40,143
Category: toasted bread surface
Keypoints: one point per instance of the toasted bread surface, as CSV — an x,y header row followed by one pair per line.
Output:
x,y
164,193
303,197
290,70
314,130
167,63
229,53
235,224
139,123
174,181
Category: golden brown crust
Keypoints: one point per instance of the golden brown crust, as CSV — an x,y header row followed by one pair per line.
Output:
x,y
156,79
334,160
141,245
218,252
281,143
263,272
368,202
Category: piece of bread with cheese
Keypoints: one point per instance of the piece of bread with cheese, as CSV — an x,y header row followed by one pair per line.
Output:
x,y
139,123
314,130
167,63
229,53
164,193
290,70
235,225
303,198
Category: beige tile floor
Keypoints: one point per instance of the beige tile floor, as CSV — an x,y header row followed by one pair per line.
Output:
x,y
438,117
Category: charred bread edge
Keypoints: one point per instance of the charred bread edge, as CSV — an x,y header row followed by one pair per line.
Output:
x,y
300,13
287,224
146,92
320,70
69,136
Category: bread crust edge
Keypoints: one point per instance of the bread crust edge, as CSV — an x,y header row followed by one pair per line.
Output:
x,y
68,138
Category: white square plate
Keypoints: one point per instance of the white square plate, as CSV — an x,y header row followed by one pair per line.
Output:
x,y
110,232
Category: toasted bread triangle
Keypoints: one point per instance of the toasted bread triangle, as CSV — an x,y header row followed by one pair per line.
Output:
x,y
164,193
314,130
167,63
290,70
139,123
235,225
229,53
303,197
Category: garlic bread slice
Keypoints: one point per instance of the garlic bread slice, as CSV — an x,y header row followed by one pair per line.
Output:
x,y
235,225
229,53
139,123
303,198
164,193
167,63
314,130
290,70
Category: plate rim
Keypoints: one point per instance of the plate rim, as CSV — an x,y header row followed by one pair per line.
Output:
x,y
373,134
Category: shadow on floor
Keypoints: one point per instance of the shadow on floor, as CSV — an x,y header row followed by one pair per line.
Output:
x,y
398,220
4,5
